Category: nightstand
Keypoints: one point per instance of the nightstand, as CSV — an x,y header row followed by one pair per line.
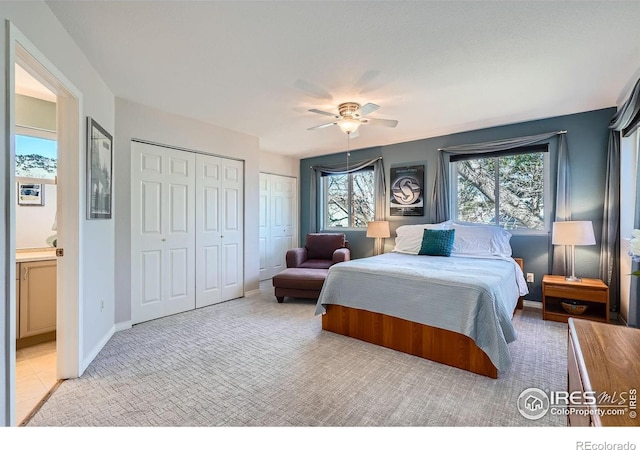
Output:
x,y
590,291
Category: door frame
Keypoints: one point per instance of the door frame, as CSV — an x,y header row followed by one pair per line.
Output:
x,y
21,50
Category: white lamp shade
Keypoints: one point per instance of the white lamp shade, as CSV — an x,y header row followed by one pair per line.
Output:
x,y
573,233
378,229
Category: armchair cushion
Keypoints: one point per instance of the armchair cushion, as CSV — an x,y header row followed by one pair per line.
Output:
x,y
321,251
316,264
322,245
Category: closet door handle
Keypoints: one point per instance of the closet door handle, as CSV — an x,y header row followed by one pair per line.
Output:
x,y
26,273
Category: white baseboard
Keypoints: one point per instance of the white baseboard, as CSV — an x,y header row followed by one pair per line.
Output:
x,y
252,293
94,352
532,304
123,326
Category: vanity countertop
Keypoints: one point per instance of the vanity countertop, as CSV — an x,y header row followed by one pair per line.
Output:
x,y
35,255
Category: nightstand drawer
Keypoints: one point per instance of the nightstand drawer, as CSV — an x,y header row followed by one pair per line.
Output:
x,y
576,293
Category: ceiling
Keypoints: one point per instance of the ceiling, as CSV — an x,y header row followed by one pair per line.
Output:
x,y
30,87
436,67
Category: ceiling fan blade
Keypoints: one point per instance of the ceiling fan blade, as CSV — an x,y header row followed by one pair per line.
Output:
x,y
367,109
369,81
324,125
354,134
312,90
381,122
326,113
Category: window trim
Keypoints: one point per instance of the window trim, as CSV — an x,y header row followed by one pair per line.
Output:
x,y
546,178
36,133
325,200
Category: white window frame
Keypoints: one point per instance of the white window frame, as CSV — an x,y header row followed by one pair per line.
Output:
x,y
453,189
325,201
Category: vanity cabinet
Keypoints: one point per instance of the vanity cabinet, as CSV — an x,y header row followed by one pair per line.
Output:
x,y
36,297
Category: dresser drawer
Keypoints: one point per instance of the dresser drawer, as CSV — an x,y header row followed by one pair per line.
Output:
x,y
576,293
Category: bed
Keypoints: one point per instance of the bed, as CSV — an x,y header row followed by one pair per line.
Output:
x,y
454,309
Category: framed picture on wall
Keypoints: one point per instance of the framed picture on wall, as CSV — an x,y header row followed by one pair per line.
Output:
x,y
30,194
99,171
407,191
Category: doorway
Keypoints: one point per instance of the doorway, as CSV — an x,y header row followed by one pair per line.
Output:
x,y
35,222
68,328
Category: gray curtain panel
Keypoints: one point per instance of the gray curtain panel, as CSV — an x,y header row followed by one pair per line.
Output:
x,y
623,123
379,185
380,199
560,256
441,201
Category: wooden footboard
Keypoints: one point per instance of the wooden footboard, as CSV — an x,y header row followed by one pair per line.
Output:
x,y
432,343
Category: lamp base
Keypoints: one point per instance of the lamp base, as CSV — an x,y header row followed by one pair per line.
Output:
x,y
573,279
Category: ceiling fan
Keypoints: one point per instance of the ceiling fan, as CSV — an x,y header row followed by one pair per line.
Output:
x,y
351,115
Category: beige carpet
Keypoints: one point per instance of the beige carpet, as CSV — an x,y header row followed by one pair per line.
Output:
x,y
254,362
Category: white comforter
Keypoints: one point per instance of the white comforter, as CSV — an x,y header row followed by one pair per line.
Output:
x,y
472,296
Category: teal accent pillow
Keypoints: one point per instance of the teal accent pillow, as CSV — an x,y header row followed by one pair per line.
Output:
x,y
437,242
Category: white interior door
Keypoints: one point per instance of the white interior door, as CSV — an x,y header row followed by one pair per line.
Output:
x,y
163,231
284,228
264,227
219,230
278,222
208,256
232,228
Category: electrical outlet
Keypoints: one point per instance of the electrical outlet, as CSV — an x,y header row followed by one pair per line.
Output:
x,y
529,277
101,305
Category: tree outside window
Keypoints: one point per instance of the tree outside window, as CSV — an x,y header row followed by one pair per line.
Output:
x,y
36,157
349,199
505,190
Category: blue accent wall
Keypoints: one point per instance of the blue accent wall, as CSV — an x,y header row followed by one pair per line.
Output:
x,y
587,136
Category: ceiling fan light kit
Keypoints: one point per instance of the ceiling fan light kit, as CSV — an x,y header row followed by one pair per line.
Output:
x,y
349,125
351,115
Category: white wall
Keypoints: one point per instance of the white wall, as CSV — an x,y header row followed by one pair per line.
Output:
x,y
136,121
34,223
279,164
35,20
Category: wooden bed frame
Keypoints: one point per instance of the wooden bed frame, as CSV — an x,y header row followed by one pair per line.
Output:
x,y
435,344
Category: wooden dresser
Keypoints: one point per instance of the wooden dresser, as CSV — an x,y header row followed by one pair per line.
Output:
x,y
604,358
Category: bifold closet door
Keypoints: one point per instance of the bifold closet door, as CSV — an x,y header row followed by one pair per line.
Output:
x,y
278,222
162,231
219,230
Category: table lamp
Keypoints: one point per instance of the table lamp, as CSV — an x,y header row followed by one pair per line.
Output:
x,y
573,233
378,229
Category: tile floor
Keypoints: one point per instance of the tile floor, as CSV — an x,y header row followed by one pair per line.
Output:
x,y
35,376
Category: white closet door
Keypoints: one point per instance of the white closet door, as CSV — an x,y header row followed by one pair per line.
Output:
x,y
231,228
163,232
219,230
208,269
264,227
283,228
278,222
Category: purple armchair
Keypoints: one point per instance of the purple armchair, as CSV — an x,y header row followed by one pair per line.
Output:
x,y
321,251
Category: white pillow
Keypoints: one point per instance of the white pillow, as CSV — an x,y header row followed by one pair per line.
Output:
x,y
409,237
481,240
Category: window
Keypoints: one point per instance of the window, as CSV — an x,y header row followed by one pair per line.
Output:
x,y
36,157
348,199
506,188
